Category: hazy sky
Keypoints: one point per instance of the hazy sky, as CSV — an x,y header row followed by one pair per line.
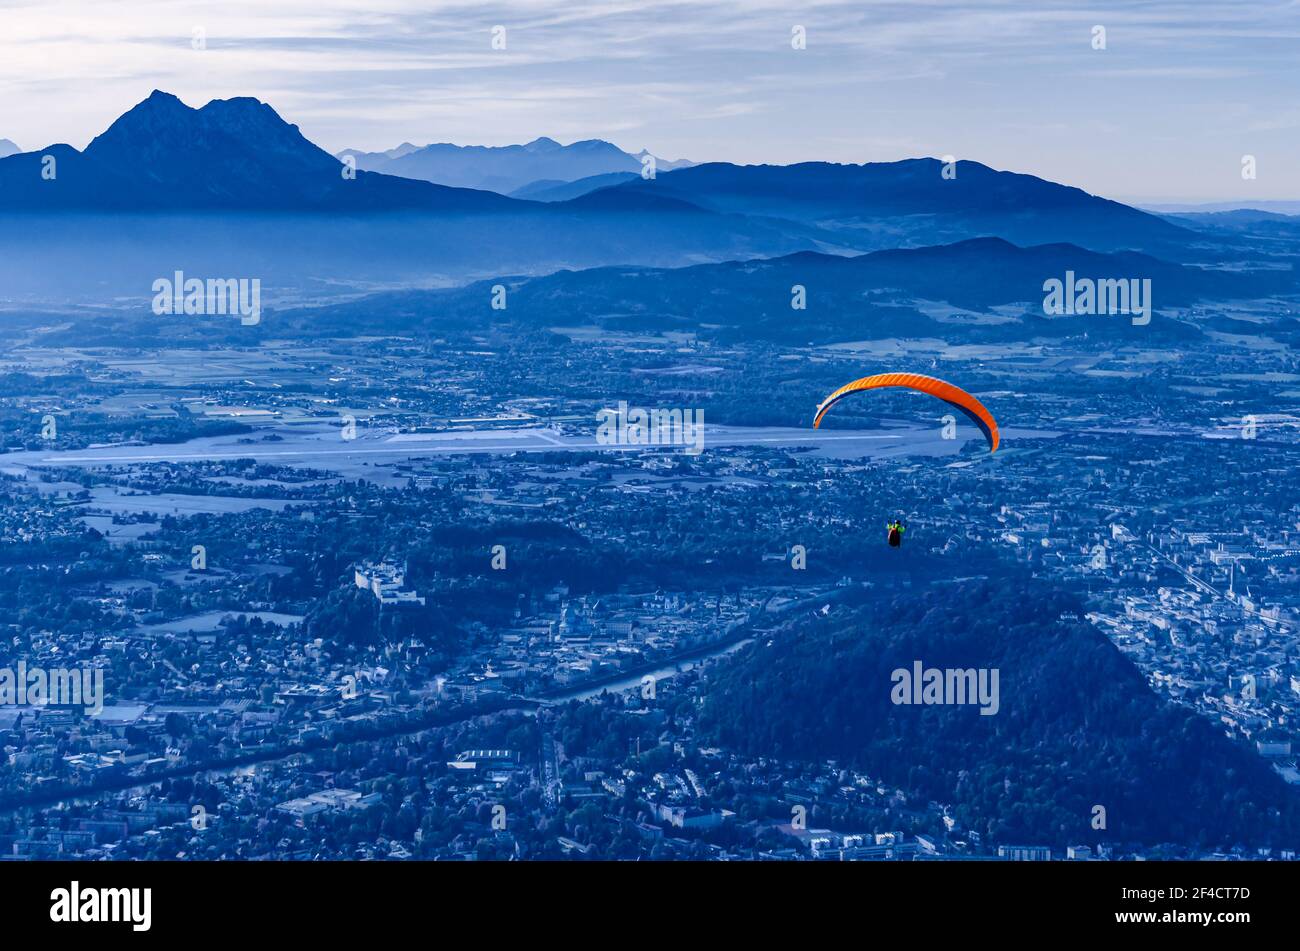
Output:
x,y
1182,91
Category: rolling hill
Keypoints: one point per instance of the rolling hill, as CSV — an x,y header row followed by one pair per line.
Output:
x,y
1076,725
993,291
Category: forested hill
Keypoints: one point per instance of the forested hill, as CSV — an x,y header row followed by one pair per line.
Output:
x,y
1078,725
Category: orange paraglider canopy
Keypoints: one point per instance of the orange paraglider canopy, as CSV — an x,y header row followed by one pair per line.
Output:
x,y
952,395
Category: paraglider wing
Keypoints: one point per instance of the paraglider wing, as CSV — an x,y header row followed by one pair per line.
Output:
x,y
952,395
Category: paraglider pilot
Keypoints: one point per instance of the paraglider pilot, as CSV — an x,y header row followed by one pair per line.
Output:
x,y
896,529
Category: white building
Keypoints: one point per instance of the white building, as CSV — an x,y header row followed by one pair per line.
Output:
x,y
386,582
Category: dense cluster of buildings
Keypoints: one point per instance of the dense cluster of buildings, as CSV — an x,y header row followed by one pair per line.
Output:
x,y
447,741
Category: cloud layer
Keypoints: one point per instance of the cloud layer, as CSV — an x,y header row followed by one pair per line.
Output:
x,y
1167,110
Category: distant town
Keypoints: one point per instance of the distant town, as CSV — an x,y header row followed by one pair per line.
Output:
x,y
407,607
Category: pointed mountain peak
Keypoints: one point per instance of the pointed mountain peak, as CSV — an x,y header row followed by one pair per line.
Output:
x,y
151,119
162,129
246,117
158,100
238,104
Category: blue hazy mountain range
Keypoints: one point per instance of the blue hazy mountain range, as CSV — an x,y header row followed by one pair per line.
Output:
x,y
239,154
231,189
542,162
870,296
232,154
911,199
8,147
551,190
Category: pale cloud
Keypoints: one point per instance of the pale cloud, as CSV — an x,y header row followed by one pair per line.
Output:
x,y
1014,83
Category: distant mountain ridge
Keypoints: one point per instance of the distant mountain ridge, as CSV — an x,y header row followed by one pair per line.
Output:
x,y
871,296
504,168
239,154
8,147
1289,208
550,189
232,154
231,187
898,200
